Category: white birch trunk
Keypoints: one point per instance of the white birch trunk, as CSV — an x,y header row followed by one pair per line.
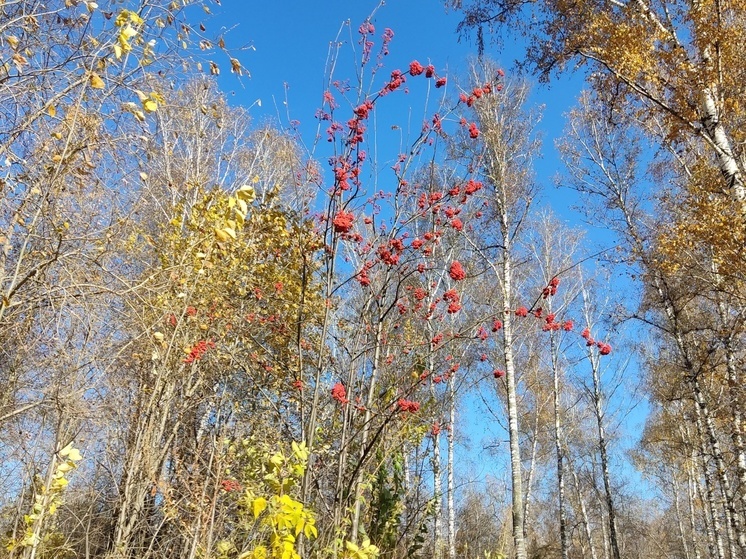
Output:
x,y
451,462
692,486
516,465
559,451
717,530
584,515
438,497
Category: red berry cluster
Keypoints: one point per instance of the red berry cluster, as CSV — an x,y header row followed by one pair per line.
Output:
x,y
229,485
343,221
550,323
603,348
198,350
407,405
339,393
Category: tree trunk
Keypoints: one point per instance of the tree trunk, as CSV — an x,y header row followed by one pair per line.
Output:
x,y
559,451
603,452
692,486
679,520
516,465
451,462
366,430
531,467
717,540
438,497
584,515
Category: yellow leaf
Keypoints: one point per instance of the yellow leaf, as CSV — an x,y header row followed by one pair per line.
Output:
x,y
258,506
96,81
12,41
59,484
65,451
52,110
230,232
136,19
117,50
127,33
247,193
150,105
75,455
300,450
221,235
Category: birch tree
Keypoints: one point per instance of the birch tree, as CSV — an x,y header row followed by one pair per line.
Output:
x,y
606,162
680,60
504,159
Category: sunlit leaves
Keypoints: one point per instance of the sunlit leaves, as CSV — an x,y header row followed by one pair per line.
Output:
x,y
269,511
129,24
258,506
96,81
365,550
47,499
71,453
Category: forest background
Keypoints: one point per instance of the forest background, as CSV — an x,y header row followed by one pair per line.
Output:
x,y
288,282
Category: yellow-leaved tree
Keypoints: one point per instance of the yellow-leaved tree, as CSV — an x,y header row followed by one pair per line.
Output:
x,y
224,303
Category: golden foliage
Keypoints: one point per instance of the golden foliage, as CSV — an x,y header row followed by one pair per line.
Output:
x,y
705,230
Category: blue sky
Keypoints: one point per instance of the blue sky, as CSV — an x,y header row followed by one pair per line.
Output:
x,y
291,39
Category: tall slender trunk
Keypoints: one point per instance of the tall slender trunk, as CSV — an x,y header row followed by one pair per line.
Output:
x,y
735,389
717,540
598,411
438,497
531,467
559,451
604,527
584,514
679,520
734,526
691,497
516,465
366,429
435,461
142,469
450,466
